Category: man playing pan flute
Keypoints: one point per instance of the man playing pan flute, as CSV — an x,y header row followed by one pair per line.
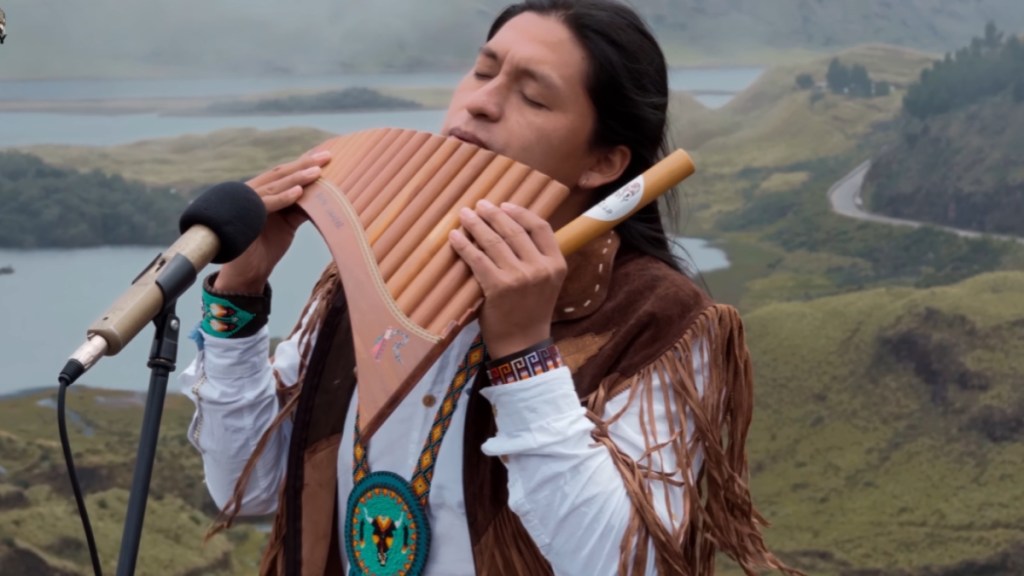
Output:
x,y
592,421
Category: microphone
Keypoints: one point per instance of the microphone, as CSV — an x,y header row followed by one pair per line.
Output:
x,y
217,227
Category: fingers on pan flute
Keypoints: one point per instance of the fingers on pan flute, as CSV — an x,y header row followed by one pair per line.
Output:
x,y
469,293
446,272
407,188
437,270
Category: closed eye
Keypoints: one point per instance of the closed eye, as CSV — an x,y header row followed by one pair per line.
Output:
x,y
533,103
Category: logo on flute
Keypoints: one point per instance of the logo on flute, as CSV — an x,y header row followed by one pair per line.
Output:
x,y
621,203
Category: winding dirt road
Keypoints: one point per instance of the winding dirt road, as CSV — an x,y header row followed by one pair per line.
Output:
x,y
844,196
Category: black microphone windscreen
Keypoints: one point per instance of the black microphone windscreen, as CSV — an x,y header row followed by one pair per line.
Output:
x,y
234,212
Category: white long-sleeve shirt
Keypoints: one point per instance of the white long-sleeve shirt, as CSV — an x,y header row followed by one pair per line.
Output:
x,y
558,477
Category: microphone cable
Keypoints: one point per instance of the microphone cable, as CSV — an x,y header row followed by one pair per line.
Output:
x,y
66,445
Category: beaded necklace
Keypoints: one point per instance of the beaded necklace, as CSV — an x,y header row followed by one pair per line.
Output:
x,y
386,525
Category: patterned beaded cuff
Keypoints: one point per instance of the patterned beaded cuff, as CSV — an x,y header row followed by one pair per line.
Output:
x,y
233,315
537,359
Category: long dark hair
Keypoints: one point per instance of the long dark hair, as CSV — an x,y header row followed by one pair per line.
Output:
x,y
627,82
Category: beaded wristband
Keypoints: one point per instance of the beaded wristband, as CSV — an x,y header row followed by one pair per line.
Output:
x,y
535,360
229,315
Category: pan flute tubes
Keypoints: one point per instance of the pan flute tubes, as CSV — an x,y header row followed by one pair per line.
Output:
x,y
464,300
424,216
379,158
340,168
396,183
340,152
361,150
411,188
525,194
426,295
436,239
442,291
403,158
549,199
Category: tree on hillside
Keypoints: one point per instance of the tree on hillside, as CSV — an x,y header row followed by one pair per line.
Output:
x,y
993,37
805,81
988,66
47,206
860,82
838,77
853,81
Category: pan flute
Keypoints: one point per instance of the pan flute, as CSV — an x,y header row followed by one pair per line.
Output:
x,y
385,205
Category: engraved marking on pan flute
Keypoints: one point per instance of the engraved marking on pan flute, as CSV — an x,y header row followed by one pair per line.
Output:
x,y
367,255
328,208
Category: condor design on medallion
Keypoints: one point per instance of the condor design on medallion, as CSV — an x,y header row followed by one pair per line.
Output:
x,y
386,528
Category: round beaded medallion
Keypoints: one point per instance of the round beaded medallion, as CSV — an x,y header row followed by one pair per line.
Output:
x,y
386,527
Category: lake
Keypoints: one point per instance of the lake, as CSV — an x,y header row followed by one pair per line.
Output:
x,y
54,295
732,79
28,129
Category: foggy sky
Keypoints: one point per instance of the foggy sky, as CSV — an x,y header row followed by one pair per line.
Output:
x,y
132,38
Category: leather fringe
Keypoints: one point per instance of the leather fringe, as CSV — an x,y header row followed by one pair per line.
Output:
x,y
719,511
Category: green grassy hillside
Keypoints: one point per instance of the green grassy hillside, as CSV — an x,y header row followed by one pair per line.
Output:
x,y
188,162
772,127
886,440
40,532
774,123
889,426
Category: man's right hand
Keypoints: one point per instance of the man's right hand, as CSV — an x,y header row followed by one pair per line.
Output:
x,y
279,187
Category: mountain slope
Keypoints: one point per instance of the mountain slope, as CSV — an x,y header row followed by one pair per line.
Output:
x,y
890,426
887,436
957,154
40,531
935,25
964,169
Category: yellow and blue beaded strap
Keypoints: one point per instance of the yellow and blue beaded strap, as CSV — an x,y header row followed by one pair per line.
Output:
x,y
386,526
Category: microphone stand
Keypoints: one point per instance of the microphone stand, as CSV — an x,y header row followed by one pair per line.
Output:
x,y
162,358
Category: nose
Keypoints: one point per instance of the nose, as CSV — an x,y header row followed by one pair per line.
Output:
x,y
486,101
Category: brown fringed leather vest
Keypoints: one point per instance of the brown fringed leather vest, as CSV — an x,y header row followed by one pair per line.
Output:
x,y
621,320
